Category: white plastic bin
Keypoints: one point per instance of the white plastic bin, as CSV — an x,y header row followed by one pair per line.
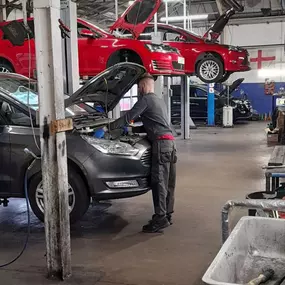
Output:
x,y
254,244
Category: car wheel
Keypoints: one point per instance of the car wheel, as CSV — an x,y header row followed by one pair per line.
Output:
x,y
79,199
210,69
124,56
5,67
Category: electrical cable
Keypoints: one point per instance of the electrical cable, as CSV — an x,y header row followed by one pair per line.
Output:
x,y
106,103
29,88
29,218
29,167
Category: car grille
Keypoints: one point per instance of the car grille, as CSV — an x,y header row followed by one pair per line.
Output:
x,y
177,66
146,158
161,65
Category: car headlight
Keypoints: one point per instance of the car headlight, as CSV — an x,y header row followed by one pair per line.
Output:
x,y
233,48
160,48
111,147
154,48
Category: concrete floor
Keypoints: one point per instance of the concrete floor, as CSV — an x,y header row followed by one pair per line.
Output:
x,y
107,247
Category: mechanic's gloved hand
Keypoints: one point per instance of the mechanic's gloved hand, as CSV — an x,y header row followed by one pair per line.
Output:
x,y
100,133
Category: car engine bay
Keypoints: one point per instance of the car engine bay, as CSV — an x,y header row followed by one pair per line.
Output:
x,y
89,124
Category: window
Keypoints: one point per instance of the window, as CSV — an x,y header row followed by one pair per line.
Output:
x,y
130,99
199,93
81,27
174,37
13,115
146,34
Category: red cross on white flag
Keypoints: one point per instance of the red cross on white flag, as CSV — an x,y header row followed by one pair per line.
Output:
x,y
262,58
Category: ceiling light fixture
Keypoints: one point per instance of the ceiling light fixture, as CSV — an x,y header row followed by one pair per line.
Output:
x,y
181,18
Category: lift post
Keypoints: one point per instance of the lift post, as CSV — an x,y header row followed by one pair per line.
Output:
x,y
211,104
116,113
70,47
185,107
53,144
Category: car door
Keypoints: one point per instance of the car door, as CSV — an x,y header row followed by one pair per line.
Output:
x,y
5,152
20,137
92,51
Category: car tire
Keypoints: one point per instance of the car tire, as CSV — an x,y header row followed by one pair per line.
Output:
x,y
5,67
225,77
210,62
79,205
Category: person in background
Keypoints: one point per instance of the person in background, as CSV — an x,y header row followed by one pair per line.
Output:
x,y
153,113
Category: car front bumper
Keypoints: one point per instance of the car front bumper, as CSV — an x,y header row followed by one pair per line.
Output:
x,y
237,61
117,176
170,64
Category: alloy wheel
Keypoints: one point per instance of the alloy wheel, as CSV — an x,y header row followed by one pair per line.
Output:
x,y
4,69
209,70
40,197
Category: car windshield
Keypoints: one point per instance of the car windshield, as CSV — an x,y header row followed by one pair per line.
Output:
x,y
19,89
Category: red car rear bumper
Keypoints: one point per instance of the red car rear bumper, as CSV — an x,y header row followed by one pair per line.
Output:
x,y
165,64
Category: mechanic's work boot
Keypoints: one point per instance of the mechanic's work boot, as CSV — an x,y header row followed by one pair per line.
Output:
x,y
169,218
156,225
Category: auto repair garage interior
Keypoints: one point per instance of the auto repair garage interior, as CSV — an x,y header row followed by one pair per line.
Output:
x,y
75,195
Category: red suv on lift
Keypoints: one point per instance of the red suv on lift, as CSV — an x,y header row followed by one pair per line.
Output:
x,y
97,50
204,56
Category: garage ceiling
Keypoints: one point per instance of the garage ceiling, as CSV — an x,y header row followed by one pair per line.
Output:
x,y
102,12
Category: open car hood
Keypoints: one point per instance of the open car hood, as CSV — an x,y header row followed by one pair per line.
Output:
x,y
136,18
217,28
233,87
107,88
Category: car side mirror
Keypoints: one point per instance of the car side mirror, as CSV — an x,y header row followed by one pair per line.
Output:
x,y
86,34
22,89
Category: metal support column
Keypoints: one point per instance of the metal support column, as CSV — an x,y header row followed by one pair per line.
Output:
x,y
211,105
70,47
167,97
116,113
185,106
3,14
158,86
53,145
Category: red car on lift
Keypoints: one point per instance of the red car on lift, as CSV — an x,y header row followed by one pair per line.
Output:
x,y
204,56
97,51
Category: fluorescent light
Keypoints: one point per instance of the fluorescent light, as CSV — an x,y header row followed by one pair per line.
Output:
x,y
271,72
181,18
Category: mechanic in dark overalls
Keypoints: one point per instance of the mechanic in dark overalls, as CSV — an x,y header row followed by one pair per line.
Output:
x,y
153,113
